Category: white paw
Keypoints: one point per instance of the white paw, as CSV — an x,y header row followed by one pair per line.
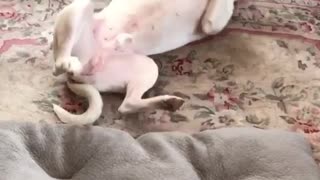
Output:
x,y
217,17
209,28
72,65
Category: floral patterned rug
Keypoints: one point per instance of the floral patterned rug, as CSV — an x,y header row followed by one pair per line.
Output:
x,y
262,71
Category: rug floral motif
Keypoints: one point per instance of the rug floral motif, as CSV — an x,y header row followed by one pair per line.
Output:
x,y
262,71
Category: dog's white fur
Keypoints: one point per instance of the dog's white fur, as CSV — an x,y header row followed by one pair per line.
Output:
x,y
118,71
136,28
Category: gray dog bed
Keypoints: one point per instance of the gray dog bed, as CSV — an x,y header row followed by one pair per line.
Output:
x,y
30,151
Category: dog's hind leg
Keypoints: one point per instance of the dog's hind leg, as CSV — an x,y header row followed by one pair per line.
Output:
x,y
217,15
133,101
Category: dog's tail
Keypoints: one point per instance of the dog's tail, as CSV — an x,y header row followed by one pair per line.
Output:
x,y
91,114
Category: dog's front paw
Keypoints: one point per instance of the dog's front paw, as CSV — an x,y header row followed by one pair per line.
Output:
x,y
72,65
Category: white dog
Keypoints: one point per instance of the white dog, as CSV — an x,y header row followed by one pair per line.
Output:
x,y
131,29
119,70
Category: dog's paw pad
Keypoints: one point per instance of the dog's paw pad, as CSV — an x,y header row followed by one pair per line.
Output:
x,y
172,104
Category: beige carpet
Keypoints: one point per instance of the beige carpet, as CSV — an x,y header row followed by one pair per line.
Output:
x,y
262,71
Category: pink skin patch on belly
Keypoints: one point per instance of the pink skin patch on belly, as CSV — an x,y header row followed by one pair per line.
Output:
x,y
97,62
95,65
132,25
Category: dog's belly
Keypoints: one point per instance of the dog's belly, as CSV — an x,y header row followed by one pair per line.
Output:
x,y
111,80
122,69
108,86
156,25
